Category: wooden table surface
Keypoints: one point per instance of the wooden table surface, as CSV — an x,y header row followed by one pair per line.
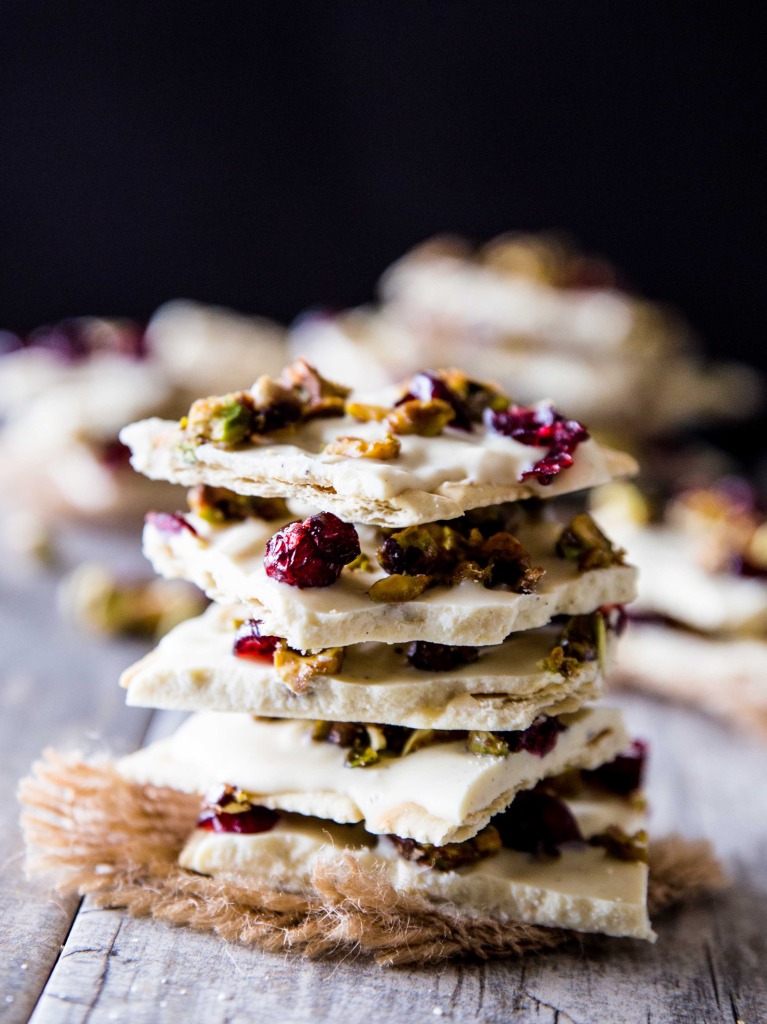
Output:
x,y
63,962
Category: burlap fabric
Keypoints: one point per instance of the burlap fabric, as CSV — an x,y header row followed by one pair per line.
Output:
x,y
92,832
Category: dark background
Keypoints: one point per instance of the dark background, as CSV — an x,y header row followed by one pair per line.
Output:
x,y
274,156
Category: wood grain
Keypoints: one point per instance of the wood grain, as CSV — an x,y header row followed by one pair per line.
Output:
x,y
57,687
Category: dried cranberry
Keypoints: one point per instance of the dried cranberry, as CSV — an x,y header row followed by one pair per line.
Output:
x,y
428,385
439,657
249,642
311,553
169,522
540,427
537,822
623,775
255,819
539,738
114,454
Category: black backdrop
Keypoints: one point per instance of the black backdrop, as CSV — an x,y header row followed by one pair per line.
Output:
x,y
274,156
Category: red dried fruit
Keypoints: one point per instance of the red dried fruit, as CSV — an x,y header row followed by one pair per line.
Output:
x,y
540,427
114,454
311,553
255,819
540,738
170,522
249,642
427,386
537,822
623,775
431,657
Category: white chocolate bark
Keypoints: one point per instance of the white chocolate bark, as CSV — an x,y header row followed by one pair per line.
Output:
x,y
438,794
673,583
583,889
432,477
227,563
726,677
195,669
208,347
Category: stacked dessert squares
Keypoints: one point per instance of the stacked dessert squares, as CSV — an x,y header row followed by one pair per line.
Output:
x,y
411,623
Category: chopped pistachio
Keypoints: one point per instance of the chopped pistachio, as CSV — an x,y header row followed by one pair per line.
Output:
x,y
398,588
583,639
360,564
319,396
453,855
583,542
218,505
621,846
488,743
366,413
221,419
297,670
95,599
417,417
361,757
358,448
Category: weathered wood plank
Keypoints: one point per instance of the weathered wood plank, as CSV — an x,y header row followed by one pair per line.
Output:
x,y
56,688
708,966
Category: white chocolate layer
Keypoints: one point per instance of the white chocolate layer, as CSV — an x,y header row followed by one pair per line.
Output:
x,y
723,676
674,584
227,563
583,889
195,669
438,794
432,477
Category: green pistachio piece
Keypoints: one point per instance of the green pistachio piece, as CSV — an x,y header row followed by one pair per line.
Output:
x,y
486,743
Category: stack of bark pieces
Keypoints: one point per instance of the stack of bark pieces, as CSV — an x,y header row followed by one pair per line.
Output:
x,y
405,641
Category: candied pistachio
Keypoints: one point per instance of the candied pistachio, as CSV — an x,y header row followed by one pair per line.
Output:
x,y
583,639
583,542
450,557
319,396
361,563
362,757
297,670
96,600
229,799
556,661
509,563
622,846
358,448
221,419
487,743
342,734
219,505
453,855
398,588
366,413
476,395
418,739
417,417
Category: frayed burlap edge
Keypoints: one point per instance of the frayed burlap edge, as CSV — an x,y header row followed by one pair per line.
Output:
x,y
93,832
